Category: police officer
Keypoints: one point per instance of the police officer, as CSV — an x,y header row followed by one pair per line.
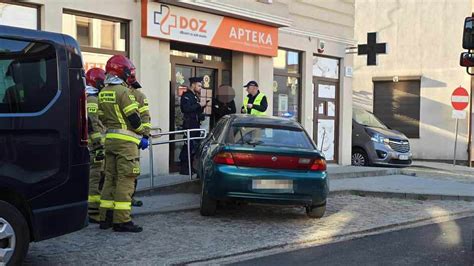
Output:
x,y
255,103
192,110
144,111
124,133
95,82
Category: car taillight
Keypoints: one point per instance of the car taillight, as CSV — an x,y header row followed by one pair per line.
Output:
x,y
224,158
319,165
83,131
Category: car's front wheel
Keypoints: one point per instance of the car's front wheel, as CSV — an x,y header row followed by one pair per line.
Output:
x,y
208,205
14,235
316,211
359,158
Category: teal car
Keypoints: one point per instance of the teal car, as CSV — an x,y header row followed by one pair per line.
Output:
x,y
264,160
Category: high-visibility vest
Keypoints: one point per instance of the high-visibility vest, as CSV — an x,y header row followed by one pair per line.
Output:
x,y
257,101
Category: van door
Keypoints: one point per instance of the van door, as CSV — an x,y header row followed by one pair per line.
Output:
x,y
34,116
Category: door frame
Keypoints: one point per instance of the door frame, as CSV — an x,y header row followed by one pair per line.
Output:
x,y
191,62
316,115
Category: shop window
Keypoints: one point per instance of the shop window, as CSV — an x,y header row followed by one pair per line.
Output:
x,y
28,76
99,38
287,84
397,104
19,15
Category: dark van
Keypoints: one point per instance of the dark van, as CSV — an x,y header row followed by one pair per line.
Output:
x,y
44,160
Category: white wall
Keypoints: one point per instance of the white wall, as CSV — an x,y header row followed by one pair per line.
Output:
x,y
424,39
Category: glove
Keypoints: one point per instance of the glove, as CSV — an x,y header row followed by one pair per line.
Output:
x,y
144,143
99,155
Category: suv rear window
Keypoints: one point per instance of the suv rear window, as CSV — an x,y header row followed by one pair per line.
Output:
x,y
28,76
269,136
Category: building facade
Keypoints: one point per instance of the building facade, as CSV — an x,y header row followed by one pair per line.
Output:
x,y
410,87
295,50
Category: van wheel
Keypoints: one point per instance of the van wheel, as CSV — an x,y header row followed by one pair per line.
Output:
x,y
14,235
316,211
359,158
208,205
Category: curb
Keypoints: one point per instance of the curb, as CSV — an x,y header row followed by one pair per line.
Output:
x,y
193,186
400,195
371,173
296,245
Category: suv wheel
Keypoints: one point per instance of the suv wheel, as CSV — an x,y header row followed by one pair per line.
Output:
x,y
208,205
359,158
14,235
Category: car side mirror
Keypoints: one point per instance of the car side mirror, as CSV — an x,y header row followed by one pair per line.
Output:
x,y
468,34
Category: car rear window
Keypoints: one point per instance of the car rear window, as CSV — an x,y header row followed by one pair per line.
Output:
x,y
269,136
28,76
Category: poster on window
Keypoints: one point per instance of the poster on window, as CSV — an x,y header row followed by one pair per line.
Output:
x,y
326,91
282,103
326,135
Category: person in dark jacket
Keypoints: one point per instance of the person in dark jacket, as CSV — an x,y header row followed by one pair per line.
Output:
x,y
224,103
192,109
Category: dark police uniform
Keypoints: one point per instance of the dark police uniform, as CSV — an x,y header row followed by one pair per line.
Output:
x,y
192,117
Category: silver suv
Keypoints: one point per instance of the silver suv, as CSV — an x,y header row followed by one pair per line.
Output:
x,y
373,143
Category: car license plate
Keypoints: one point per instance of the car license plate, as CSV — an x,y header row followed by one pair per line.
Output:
x,y
272,184
403,157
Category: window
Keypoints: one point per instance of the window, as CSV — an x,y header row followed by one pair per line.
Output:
x,y
28,76
397,104
287,84
268,136
16,15
99,38
325,67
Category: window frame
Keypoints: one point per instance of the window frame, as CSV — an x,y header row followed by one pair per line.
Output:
x,y
58,79
108,18
31,5
299,76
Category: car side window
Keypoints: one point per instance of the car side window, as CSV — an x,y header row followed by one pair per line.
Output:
x,y
217,131
28,76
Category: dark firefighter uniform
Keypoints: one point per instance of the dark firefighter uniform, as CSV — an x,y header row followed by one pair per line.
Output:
x,y
96,148
120,116
192,117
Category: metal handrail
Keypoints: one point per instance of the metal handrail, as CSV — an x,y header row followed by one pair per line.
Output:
x,y
187,139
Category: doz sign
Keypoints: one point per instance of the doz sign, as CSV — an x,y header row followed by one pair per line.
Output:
x,y
180,24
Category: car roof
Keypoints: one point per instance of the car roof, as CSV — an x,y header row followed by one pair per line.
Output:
x,y
22,33
251,120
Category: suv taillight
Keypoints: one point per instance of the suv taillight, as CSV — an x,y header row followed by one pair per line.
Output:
x,y
83,131
319,165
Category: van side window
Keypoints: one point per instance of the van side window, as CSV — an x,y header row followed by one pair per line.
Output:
x,y
28,76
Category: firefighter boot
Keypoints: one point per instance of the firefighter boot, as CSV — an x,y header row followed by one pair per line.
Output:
x,y
127,227
109,216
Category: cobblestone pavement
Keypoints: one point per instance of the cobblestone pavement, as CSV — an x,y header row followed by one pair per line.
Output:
x,y
186,236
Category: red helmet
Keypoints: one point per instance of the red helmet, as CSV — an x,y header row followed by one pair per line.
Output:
x,y
121,67
95,77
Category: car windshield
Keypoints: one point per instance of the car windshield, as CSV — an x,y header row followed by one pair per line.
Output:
x,y
366,118
269,136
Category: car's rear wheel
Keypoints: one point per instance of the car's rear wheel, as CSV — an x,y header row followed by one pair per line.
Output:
x,y
316,211
359,158
208,205
14,235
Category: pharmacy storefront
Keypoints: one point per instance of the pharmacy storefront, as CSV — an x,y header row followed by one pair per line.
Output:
x,y
226,43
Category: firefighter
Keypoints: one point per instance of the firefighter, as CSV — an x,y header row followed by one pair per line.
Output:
x,y
95,82
255,103
144,111
192,109
119,113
